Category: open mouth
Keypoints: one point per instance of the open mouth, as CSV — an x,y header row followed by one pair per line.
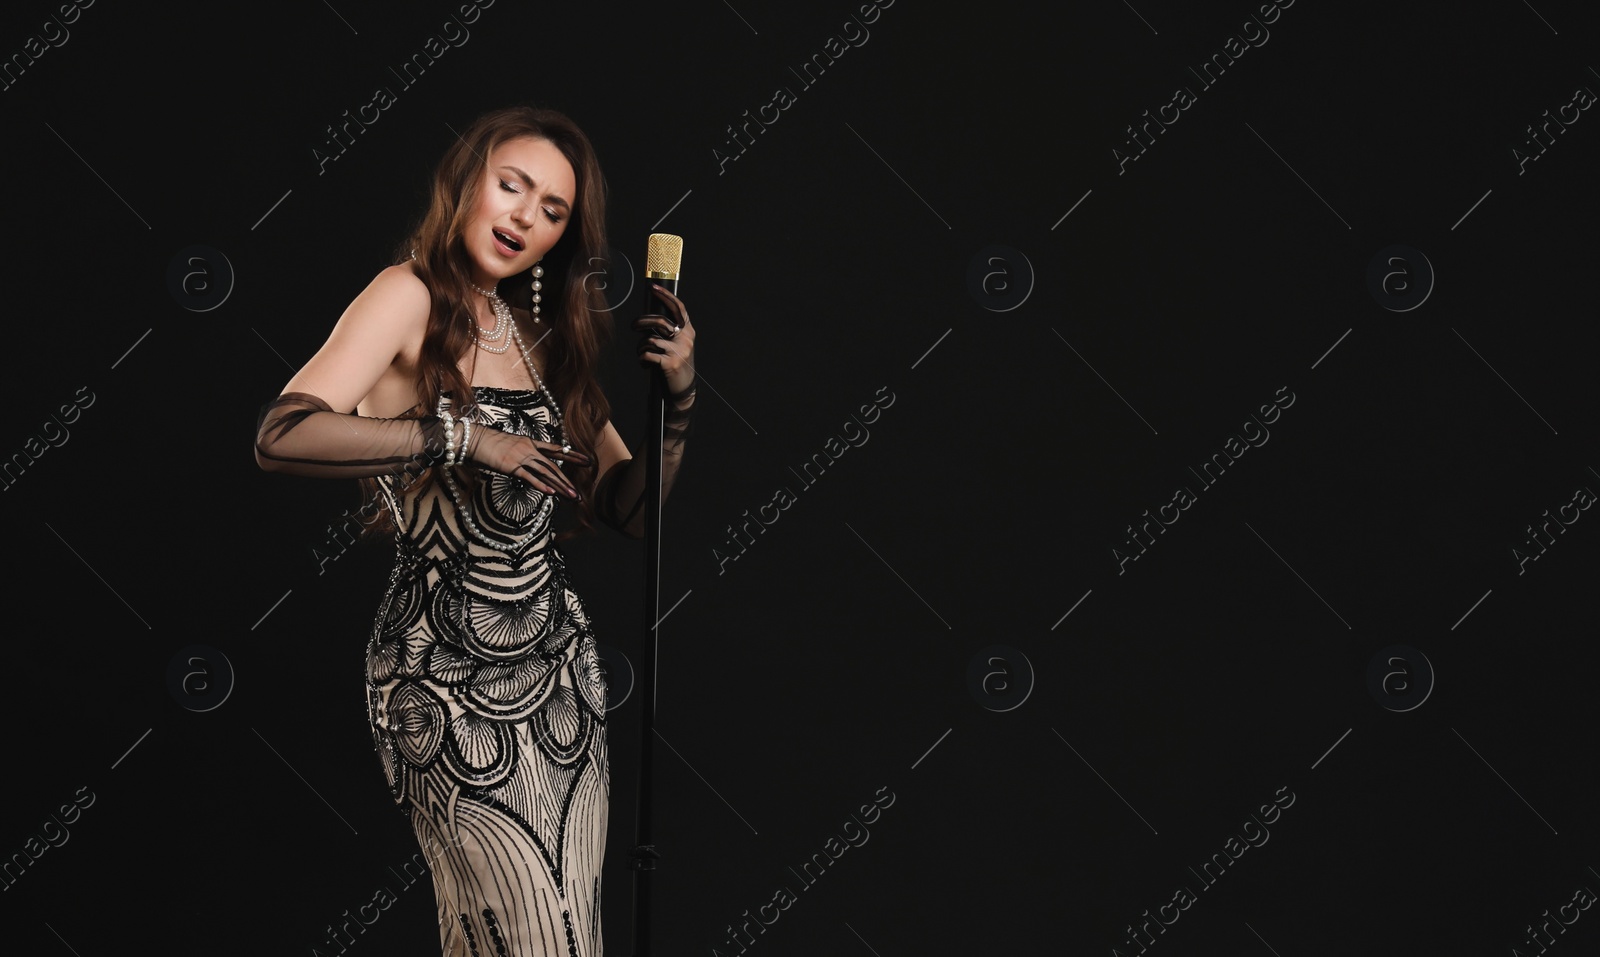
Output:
x,y
509,241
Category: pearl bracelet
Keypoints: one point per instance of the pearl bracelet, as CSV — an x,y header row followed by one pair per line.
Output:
x,y
449,435
454,455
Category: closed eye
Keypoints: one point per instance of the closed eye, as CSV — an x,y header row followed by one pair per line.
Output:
x,y
512,189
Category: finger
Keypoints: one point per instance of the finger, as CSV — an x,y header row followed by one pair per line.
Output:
x,y
562,458
574,456
527,474
557,477
570,490
562,486
548,478
666,294
673,302
656,325
571,455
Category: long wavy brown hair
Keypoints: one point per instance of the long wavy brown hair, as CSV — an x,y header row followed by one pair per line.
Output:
x,y
577,311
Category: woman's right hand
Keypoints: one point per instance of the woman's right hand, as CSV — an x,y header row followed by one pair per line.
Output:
x,y
519,456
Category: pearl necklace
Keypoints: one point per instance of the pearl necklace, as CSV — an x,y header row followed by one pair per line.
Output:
x,y
502,314
504,318
472,526
555,407
501,319
455,492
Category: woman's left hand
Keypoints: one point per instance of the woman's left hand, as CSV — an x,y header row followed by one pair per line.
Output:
x,y
668,341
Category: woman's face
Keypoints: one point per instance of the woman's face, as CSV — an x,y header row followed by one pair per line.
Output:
x,y
524,203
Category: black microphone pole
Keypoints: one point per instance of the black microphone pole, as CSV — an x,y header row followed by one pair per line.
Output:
x,y
661,267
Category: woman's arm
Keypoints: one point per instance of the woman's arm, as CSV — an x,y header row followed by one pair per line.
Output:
x,y
619,494
668,345
307,430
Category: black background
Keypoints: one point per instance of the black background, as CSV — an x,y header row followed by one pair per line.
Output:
x,y
831,660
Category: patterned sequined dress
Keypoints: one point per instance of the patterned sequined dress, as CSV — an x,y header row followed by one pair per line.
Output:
x,y
488,707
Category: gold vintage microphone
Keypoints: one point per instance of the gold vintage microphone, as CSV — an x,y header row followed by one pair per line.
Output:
x,y
663,258
662,261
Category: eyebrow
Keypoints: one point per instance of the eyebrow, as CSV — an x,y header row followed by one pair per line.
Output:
x,y
529,180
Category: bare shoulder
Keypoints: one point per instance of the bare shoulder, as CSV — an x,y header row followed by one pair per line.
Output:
x,y
375,342
395,294
393,310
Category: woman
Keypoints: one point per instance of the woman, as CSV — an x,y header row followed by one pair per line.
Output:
x,y
473,418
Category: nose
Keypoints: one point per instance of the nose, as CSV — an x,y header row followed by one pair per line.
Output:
x,y
523,214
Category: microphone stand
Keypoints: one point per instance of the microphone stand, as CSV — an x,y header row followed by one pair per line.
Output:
x,y
644,852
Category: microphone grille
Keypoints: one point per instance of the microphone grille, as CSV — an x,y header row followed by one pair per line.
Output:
x,y
664,257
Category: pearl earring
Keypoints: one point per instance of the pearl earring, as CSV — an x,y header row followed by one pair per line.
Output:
x,y
538,271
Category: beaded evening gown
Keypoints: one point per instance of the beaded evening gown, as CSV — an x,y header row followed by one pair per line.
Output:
x,y
488,707
484,688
